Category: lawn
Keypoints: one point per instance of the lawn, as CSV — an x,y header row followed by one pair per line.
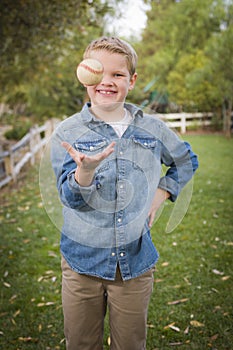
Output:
x,y
191,307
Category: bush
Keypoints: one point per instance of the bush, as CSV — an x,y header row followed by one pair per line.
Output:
x,y
20,129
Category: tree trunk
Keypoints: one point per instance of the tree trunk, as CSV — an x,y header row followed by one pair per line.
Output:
x,y
227,111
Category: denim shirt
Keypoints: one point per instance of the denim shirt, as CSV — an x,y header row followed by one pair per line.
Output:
x,y
106,223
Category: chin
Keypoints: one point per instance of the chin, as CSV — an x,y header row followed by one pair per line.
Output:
x,y
108,105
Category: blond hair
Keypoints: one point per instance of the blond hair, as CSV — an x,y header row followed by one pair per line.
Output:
x,y
114,45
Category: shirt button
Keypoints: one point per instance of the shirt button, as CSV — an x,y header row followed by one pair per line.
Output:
x,y
91,148
121,186
145,143
121,153
113,254
119,220
122,254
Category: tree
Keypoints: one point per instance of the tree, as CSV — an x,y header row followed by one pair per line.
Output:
x,y
220,53
41,44
187,50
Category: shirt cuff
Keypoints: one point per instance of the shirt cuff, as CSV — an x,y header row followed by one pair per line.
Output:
x,y
76,188
168,184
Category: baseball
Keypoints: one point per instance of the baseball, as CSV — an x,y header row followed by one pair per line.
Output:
x,y
90,72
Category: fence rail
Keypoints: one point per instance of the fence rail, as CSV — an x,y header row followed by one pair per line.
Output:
x,y
30,146
27,149
185,120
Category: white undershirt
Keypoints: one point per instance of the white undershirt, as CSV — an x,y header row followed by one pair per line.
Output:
x,y
121,125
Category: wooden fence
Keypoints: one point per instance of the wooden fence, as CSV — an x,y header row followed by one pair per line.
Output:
x,y
185,120
31,145
27,149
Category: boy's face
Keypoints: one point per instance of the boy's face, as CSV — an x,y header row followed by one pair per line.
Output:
x,y
113,89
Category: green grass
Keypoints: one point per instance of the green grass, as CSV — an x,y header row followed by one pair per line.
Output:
x,y
195,266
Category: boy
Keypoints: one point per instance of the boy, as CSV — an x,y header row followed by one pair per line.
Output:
x,y
108,177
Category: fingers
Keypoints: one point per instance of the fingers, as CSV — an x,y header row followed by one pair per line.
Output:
x,y
91,161
68,147
77,157
151,218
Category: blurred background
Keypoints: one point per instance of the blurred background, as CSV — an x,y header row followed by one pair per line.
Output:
x,y
185,53
185,72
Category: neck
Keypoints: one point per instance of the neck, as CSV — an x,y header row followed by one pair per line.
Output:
x,y
109,113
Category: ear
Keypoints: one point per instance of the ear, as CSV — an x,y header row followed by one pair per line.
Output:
x,y
132,81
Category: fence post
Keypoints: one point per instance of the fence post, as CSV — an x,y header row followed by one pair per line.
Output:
x,y
183,123
34,141
9,165
50,126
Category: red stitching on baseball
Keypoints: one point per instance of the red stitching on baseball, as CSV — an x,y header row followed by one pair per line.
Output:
x,y
92,70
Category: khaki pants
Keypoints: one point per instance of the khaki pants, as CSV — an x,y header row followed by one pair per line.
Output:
x,y
85,300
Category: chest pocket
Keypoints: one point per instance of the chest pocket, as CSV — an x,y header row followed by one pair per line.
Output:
x,y
145,142
91,146
144,154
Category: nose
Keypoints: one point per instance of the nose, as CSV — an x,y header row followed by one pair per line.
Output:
x,y
106,80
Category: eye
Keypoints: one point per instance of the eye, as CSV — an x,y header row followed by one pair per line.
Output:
x,y
118,75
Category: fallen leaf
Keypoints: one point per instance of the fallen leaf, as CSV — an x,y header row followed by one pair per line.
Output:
x,y
45,304
216,272
6,284
13,321
109,341
166,263
214,337
225,278
150,326
196,324
176,329
52,254
186,331
217,308
16,313
11,300
28,339
187,281
175,302
40,304
170,325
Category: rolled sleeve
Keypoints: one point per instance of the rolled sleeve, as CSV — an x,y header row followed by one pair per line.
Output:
x,y
166,183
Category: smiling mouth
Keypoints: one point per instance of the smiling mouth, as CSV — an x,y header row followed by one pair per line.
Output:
x,y
106,92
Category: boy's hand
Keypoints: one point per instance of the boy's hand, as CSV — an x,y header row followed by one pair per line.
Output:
x,y
159,197
86,165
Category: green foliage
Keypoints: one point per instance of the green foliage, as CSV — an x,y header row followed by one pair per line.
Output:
x,y
193,277
41,44
187,46
189,85
19,129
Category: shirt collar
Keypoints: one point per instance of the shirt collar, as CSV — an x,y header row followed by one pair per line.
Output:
x,y
87,116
